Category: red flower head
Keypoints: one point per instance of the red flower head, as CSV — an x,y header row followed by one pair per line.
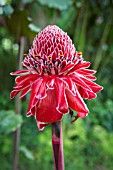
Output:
x,y
57,77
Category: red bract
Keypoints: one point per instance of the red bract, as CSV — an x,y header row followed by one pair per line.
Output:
x,y
57,77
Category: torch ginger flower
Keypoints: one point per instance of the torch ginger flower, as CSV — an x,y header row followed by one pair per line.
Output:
x,y
57,76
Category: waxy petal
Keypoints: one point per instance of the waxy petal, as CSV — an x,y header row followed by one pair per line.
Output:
x,y
25,91
19,72
95,87
91,77
47,111
26,79
42,90
69,84
33,99
84,64
79,65
41,125
21,78
19,88
81,115
85,71
76,102
51,81
14,93
79,81
66,68
62,105
86,94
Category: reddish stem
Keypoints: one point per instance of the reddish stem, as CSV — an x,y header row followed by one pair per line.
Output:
x,y
57,146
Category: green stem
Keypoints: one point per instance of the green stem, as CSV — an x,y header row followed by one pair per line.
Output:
x,y
100,51
18,109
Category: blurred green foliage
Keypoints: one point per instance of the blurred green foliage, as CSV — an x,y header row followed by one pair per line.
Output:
x,y
87,142
9,121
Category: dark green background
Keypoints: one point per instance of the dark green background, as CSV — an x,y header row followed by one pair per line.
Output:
x,y
88,142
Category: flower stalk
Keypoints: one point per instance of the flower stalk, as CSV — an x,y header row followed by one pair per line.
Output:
x,y
57,145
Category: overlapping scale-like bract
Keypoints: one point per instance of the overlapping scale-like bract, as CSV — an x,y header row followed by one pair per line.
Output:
x,y
57,76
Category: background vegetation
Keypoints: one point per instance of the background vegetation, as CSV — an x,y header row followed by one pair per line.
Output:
x,y
87,142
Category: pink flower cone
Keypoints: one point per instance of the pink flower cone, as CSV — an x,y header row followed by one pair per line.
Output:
x,y
57,76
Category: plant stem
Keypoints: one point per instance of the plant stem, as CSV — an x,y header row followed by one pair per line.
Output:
x,y
18,109
57,146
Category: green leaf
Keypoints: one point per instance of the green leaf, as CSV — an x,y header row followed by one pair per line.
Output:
x,y
8,10
9,121
34,28
27,1
5,2
58,4
26,152
18,24
66,18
